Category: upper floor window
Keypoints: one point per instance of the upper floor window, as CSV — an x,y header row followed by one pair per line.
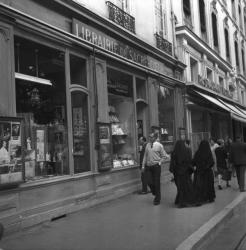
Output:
x,y
221,82
122,4
215,32
236,54
202,19
187,13
244,19
233,8
240,16
193,70
209,74
243,60
160,18
227,44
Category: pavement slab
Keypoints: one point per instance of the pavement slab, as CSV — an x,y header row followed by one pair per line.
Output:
x,y
128,223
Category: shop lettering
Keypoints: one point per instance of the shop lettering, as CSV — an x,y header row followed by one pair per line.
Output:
x,y
108,43
99,39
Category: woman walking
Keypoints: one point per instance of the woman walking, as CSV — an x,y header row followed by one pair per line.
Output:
x,y
203,175
222,164
181,166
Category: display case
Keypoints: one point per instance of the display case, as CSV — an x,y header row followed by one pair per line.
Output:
x,y
105,147
11,153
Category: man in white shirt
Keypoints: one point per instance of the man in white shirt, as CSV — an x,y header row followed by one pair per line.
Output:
x,y
154,156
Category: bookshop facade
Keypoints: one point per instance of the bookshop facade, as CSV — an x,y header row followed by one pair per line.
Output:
x,y
74,101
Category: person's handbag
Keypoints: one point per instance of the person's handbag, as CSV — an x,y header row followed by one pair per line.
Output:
x,y
226,176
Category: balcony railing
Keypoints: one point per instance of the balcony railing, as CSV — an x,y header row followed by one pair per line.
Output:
x,y
120,17
163,44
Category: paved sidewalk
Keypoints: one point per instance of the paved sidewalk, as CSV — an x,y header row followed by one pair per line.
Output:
x,y
128,223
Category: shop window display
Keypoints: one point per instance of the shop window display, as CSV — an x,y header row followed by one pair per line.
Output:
x,y
166,115
121,115
81,146
41,102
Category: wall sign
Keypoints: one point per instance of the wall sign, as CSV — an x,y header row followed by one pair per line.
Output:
x,y
100,39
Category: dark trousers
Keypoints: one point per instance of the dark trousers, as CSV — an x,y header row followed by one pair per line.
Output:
x,y
154,180
144,181
240,171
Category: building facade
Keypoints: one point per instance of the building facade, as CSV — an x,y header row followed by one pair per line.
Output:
x,y
81,81
211,42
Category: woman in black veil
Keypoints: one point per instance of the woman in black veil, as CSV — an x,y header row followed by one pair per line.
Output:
x,y
181,167
203,175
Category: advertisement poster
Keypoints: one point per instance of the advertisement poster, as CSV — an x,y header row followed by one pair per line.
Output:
x,y
10,151
40,145
77,122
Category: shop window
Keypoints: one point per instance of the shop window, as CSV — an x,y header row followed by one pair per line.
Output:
x,y
81,145
227,44
41,102
141,107
193,70
166,115
78,71
121,114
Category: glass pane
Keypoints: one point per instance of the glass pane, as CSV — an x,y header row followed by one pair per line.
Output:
x,y
166,115
78,71
141,89
121,113
81,145
41,102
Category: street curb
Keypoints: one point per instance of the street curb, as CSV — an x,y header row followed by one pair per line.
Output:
x,y
207,232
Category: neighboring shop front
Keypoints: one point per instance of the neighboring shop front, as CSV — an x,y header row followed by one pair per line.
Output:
x,y
74,102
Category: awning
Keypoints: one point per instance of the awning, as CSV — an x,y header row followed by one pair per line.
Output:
x,y
234,110
214,101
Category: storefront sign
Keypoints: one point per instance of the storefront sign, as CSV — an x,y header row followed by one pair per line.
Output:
x,y
102,40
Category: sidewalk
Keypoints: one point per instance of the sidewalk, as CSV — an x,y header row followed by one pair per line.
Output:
x,y
131,222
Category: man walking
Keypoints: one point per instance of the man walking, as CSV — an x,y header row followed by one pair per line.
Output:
x,y
238,159
142,146
153,158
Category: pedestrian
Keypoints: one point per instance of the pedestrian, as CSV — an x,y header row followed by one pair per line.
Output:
x,y
213,146
142,146
154,156
181,167
222,164
203,175
238,159
228,143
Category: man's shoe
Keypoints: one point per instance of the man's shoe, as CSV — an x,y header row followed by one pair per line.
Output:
x,y
156,203
219,187
228,185
143,192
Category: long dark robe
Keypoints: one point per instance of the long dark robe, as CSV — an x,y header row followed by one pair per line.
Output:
x,y
203,175
181,166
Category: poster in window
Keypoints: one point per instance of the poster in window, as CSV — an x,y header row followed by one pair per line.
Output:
x,y
78,121
10,151
105,147
40,145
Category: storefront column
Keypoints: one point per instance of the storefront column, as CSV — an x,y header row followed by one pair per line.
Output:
x,y
102,93
153,102
7,93
179,110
